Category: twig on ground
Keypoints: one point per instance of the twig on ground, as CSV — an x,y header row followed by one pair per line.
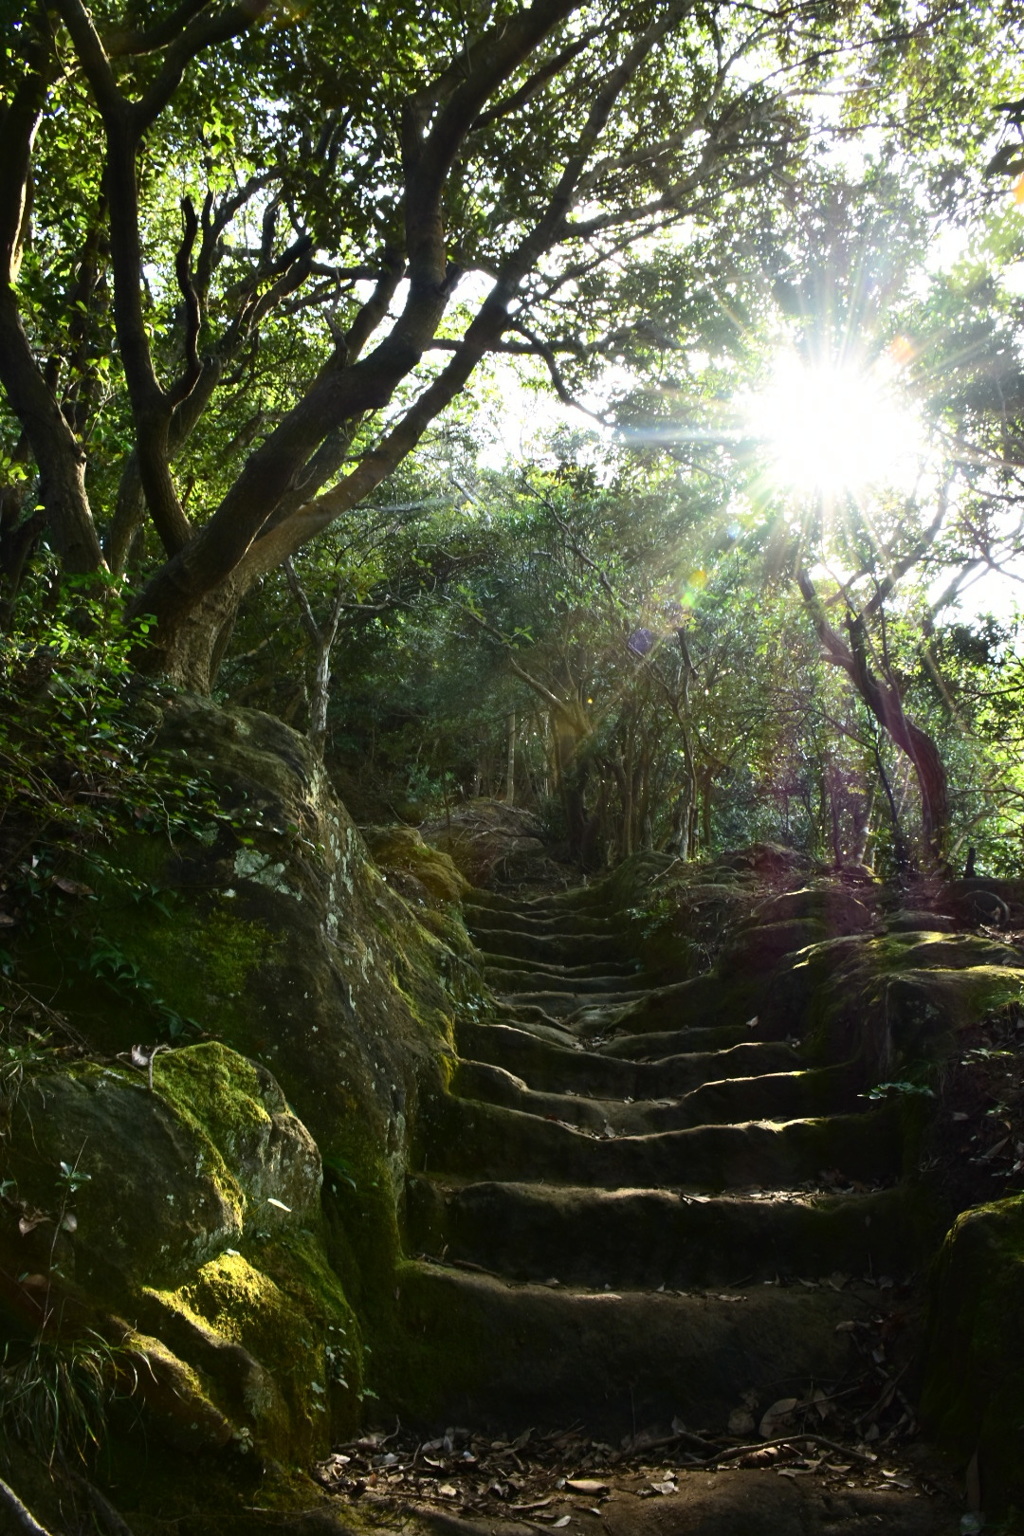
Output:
x,y
763,1445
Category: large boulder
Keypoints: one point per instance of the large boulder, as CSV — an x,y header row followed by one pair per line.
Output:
x,y
187,1219
231,1233
973,1397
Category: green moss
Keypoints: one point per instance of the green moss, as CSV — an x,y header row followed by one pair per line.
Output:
x,y
291,1317
402,850
217,1094
973,1399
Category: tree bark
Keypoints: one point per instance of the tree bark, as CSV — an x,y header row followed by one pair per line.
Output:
x,y
883,700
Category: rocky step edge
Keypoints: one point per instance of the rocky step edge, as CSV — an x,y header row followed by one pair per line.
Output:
x,y
659,1238
519,1355
488,1141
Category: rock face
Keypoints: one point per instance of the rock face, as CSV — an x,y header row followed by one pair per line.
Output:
x,y
974,1386
230,1232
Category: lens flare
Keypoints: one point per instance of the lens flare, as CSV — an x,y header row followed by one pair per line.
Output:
x,y
835,429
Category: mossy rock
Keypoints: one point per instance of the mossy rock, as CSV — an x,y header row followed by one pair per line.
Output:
x,y
973,1397
402,851
888,1001
757,949
193,1212
835,907
169,1177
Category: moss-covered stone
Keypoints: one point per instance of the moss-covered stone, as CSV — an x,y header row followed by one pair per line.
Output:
x,y
429,874
194,1212
973,1398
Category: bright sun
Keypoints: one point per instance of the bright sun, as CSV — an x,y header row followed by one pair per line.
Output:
x,y
835,429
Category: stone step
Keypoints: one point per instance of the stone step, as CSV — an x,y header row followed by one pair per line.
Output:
x,y
576,980
577,899
616,969
780,1095
661,1043
646,1238
711,998
552,1067
564,1005
481,919
488,1141
510,977
555,949
531,1355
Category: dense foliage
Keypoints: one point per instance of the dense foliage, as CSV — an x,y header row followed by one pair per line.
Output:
x,y
268,271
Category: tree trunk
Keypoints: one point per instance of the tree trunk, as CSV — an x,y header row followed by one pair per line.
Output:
x,y
883,700
510,766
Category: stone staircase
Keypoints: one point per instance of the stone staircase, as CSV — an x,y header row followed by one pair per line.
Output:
x,y
628,1216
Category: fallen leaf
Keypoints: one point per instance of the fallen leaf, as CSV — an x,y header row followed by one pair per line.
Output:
x,y
71,887
27,1223
586,1485
777,1416
559,1523
665,1488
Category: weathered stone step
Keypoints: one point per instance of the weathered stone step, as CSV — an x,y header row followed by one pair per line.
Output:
x,y
555,949
543,968
481,919
529,1355
711,998
488,1141
780,1096
676,1042
650,1237
575,900
564,1004
582,983
576,979
531,1052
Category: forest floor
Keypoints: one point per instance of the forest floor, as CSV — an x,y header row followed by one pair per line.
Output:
x,y
786,1486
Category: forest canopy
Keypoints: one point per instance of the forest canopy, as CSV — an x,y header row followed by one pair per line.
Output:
x,y
273,273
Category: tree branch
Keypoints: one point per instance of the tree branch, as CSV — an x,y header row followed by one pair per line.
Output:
x,y
193,314
19,125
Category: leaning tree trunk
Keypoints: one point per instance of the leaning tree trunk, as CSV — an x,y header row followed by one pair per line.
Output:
x,y
884,701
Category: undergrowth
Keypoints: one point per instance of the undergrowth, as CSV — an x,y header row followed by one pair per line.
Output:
x,y
54,1394
77,762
